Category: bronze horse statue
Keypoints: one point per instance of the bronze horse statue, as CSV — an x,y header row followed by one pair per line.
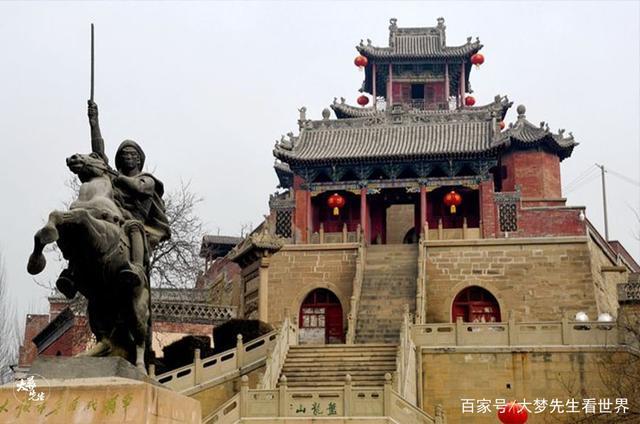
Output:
x,y
93,237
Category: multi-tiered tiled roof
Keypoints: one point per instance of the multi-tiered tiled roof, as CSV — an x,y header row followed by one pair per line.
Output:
x,y
399,133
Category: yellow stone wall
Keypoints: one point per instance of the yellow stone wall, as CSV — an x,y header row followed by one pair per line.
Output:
x,y
539,280
294,271
605,280
546,373
400,219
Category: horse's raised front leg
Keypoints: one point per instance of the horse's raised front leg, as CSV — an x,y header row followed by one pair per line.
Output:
x,y
47,234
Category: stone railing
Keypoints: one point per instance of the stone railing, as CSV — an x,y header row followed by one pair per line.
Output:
x,y
324,237
340,401
510,333
406,361
287,336
233,362
629,292
441,233
355,297
228,413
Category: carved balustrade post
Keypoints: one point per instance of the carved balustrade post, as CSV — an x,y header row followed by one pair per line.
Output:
x,y
244,396
239,351
197,366
282,397
387,395
347,395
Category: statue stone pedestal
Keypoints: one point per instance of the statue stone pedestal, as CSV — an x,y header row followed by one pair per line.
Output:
x,y
86,395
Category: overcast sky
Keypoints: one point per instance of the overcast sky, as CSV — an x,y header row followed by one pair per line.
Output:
x,y
207,88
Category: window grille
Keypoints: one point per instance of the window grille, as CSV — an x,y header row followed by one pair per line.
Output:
x,y
283,223
508,217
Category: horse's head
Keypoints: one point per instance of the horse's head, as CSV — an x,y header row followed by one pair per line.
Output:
x,y
87,167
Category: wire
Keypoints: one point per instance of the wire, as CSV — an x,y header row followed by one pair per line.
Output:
x,y
586,174
581,179
581,183
623,177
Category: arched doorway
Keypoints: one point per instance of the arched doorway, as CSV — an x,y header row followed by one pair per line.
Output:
x,y
321,318
475,304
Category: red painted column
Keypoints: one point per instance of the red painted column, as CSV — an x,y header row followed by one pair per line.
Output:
x,y
373,79
364,214
446,82
463,81
423,208
309,216
390,87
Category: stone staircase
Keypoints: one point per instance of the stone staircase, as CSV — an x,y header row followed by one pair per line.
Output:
x,y
327,365
389,283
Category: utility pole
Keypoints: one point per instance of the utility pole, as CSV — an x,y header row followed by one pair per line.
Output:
x,y
604,202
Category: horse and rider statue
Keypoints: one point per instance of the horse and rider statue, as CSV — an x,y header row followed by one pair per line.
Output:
x,y
107,236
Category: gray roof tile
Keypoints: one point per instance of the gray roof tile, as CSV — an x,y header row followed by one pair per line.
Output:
x,y
523,134
418,43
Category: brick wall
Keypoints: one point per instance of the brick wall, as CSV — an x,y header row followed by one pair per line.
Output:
x,y
536,172
502,374
34,324
488,210
549,222
538,280
297,270
75,340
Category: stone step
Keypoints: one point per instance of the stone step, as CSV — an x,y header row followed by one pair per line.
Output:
x,y
343,348
332,374
348,368
323,358
337,384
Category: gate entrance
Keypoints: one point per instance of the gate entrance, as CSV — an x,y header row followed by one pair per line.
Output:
x,y
475,304
321,318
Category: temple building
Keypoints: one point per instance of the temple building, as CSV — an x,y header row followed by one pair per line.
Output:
x,y
418,256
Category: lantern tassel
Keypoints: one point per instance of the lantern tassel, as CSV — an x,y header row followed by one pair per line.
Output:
x,y
336,211
453,208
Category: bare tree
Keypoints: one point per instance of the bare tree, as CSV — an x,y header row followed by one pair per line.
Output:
x,y
175,263
9,330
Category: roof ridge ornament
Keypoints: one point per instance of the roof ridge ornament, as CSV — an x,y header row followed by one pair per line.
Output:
x,y
521,109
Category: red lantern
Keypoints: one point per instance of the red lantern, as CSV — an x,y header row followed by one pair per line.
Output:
x,y
477,59
502,125
363,100
361,61
469,101
452,199
336,202
513,413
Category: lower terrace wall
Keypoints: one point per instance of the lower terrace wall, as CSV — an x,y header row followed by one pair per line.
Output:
x,y
606,277
296,270
450,374
537,279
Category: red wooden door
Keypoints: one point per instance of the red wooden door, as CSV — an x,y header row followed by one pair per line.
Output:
x,y
321,318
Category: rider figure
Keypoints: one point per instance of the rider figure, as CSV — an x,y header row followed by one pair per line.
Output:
x,y
139,196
